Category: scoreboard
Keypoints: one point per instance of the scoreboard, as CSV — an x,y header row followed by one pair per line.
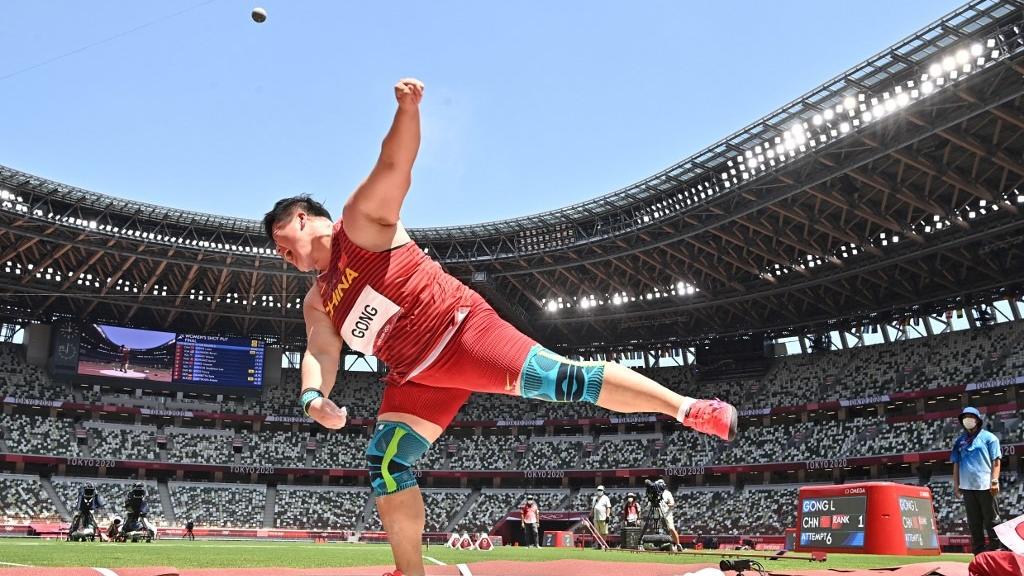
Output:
x,y
919,528
218,361
833,522
867,518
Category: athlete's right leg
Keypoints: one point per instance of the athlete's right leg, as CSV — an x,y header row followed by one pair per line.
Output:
x,y
410,419
490,355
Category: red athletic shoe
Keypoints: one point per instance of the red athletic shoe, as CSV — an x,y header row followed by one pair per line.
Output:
x,y
712,417
397,572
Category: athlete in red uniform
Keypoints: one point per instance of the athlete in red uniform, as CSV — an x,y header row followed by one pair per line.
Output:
x,y
379,293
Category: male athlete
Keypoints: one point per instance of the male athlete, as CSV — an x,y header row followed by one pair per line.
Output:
x,y
379,293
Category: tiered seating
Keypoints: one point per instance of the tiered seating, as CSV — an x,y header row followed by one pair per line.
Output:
x,y
901,437
114,492
340,450
433,458
441,507
22,499
485,453
122,444
780,443
359,392
39,435
207,448
1012,366
618,452
750,511
319,508
957,357
275,448
814,440
19,379
678,378
736,392
684,447
798,379
880,369
1010,342
552,454
282,398
90,396
222,505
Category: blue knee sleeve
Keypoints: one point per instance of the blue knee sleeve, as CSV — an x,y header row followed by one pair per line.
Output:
x,y
554,378
391,453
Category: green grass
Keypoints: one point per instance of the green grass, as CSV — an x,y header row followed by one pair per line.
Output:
x,y
242,554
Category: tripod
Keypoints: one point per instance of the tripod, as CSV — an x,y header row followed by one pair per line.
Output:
x,y
653,506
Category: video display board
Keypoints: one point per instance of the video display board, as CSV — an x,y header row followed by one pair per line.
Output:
x,y
129,353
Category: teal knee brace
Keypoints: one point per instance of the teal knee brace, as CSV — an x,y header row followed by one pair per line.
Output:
x,y
391,453
554,378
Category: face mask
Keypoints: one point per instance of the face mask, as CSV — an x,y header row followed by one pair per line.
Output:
x,y
970,423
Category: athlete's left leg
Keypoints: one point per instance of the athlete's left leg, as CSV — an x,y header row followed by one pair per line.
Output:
x,y
489,355
411,417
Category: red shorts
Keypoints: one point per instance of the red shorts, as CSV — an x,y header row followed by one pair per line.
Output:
x,y
486,354
997,564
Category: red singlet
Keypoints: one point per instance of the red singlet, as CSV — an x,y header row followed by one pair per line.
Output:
x,y
440,339
397,305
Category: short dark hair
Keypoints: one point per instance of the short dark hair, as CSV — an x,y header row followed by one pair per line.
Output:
x,y
285,207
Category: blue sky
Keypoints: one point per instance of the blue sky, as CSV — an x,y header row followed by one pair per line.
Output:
x,y
529,105
136,339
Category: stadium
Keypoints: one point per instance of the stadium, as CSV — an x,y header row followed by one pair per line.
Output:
x,y
848,271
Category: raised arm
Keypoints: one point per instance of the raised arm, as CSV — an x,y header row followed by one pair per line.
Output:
x,y
371,213
320,363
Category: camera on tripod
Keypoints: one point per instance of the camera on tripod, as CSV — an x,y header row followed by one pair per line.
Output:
x,y
136,526
83,523
654,490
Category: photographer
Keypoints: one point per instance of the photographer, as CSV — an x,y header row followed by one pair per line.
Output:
x,y
189,526
83,524
136,525
661,498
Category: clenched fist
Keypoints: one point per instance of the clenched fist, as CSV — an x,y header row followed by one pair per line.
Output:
x,y
408,92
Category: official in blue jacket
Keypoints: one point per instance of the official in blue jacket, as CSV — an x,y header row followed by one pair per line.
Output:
x,y
976,458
